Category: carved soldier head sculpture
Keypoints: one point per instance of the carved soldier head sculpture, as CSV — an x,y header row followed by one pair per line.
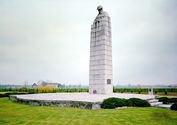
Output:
x,y
100,9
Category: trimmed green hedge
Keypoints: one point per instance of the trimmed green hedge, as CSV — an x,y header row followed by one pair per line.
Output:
x,y
145,90
12,93
174,107
136,102
113,102
121,90
167,100
32,90
109,103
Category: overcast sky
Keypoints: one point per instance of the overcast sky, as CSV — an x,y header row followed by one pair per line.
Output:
x,y
49,40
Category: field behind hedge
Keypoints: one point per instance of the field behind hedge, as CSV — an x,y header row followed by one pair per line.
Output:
x,y
12,113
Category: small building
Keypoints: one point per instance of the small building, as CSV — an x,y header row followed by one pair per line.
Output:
x,y
56,85
46,83
34,85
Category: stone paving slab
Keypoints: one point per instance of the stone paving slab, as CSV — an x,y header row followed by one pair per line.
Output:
x,y
164,105
85,97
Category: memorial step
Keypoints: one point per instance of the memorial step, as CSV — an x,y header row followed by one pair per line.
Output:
x,y
153,100
155,104
164,105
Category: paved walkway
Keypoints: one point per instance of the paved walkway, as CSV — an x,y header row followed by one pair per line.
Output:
x,y
86,97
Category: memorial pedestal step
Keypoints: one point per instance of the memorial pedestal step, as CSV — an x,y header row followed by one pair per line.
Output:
x,y
156,103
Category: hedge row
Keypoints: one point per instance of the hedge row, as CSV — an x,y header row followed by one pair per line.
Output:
x,y
167,100
43,89
86,89
11,93
113,102
72,90
139,90
174,107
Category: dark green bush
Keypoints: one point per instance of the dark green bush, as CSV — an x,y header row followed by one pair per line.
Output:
x,y
121,102
139,102
128,102
109,103
13,93
173,100
174,107
165,100
113,102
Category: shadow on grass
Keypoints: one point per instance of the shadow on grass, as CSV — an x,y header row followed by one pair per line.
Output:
x,y
3,122
161,115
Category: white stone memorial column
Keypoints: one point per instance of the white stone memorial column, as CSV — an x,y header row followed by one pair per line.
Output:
x,y
100,73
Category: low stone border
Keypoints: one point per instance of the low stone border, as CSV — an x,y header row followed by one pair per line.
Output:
x,y
78,100
57,103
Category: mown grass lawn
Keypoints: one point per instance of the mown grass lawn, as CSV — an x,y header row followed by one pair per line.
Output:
x,y
11,92
15,114
5,92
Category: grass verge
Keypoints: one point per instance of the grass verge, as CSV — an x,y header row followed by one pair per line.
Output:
x,y
13,113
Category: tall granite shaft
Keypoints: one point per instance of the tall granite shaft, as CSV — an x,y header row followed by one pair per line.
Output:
x,y
100,73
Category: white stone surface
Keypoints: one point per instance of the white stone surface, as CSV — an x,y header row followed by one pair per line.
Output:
x,y
101,55
156,103
85,97
164,105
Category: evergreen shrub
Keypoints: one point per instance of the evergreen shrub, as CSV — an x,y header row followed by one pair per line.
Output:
x,y
113,102
165,100
174,107
136,102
